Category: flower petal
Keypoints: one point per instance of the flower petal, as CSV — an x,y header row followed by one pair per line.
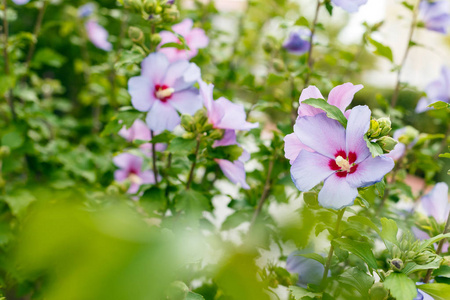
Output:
x,y
183,28
154,67
137,131
321,134
309,169
141,91
311,92
233,117
370,171
147,177
293,146
308,270
197,39
120,175
186,101
435,203
126,161
357,126
397,152
342,95
162,116
234,171
337,193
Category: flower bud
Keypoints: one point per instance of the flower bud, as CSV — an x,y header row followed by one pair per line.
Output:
x,y
385,125
374,129
187,122
112,190
134,5
396,264
171,14
158,9
387,143
200,117
424,258
4,151
278,65
268,46
136,35
378,292
149,6
216,134
155,38
409,135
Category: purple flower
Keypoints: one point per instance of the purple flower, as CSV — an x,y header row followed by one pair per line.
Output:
x,y
421,295
341,96
341,158
98,35
297,43
435,204
349,5
435,15
140,131
233,170
195,39
438,90
309,271
21,2
163,89
130,168
222,113
86,10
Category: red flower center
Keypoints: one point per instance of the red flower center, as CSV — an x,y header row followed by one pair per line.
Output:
x,y
343,164
163,92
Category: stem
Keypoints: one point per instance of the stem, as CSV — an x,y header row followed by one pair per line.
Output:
x,y
330,253
310,57
155,170
439,248
194,162
37,29
394,174
265,193
405,56
8,95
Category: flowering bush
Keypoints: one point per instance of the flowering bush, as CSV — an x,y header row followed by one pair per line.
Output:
x,y
183,150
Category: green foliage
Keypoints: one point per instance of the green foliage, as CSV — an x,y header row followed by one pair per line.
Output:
x,y
400,286
332,111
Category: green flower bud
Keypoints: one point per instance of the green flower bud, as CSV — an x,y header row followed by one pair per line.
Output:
x,y
378,292
424,258
155,38
188,135
267,46
4,151
187,122
149,6
404,244
201,117
134,5
396,264
278,65
177,291
385,125
158,9
136,35
396,252
171,14
217,134
112,190
409,135
387,143
374,129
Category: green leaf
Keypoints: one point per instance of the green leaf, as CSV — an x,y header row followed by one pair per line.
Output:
x,y
236,219
175,45
299,292
360,249
358,279
425,244
49,57
153,199
439,291
302,21
315,256
381,50
389,232
192,202
329,7
366,221
231,152
194,296
401,286
180,145
408,6
445,155
412,267
374,148
439,105
443,271
13,140
332,111
274,79
164,137
18,201
311,199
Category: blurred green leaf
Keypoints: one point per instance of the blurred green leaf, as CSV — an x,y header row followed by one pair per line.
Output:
x,y
400,286
439,291
332,111
360,249
357,279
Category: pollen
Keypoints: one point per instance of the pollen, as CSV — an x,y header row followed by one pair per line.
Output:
x,y
164,93
343,163
135,178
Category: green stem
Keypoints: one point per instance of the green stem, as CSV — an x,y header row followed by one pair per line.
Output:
x,y
36,31
330,253
194,162
439,248
155,170
405,56
265,193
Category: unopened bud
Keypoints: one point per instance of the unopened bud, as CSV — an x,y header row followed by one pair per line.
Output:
x,y
149,6
378,292
187,122
409,135
216,134
385,125
136,34
112,190
267,46
171,14
387,143
278,65
374,129
200,117
424,258
158,9
156,38
396,264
